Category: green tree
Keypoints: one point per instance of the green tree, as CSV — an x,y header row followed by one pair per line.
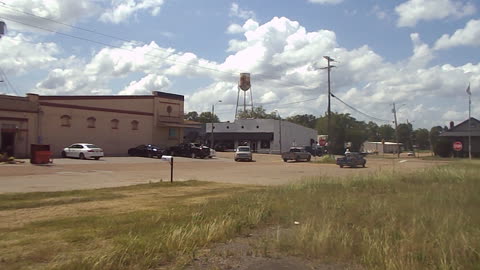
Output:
x,y
257,113
386,132
373,132
192,116
306,120
405,132
441,146
421,138
207,117
344,128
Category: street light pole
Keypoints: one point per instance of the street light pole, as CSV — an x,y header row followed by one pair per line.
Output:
x,y
212,144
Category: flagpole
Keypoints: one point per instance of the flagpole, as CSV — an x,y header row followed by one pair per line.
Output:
x,y
469,126
469,122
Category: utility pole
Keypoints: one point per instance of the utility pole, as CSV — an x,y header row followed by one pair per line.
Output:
x,y
328,68
396,129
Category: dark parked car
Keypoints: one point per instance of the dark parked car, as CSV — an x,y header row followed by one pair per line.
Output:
x,y
147,150
192,150
352,159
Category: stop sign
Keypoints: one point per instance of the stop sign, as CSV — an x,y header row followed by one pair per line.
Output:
x,y
457,146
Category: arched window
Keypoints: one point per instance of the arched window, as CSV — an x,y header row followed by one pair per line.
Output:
x,y
114,123
91,122
135,125
65,120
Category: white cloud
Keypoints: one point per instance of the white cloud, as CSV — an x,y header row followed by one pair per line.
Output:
x,y
327,2
422,54
468,36
146,85
124,9
64,11
413,11
236,11
19,54
379,12
235,29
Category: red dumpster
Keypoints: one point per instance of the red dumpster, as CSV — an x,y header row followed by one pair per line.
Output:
x,y
42,157
40,154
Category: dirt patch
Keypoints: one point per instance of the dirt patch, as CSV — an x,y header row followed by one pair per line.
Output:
x,y
252,252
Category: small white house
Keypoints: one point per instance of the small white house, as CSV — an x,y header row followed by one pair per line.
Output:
x,y
262,135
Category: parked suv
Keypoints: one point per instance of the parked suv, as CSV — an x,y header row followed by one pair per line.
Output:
x,y
243,153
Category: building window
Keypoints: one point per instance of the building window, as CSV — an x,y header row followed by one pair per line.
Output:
x,y
258,127
65,120
169,110
135,125
91,122
265,144
242,126
172,133
114,123
228,127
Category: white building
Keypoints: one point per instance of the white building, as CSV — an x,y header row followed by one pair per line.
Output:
x,y
262,135
381,148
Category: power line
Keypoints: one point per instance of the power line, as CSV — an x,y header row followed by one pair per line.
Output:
x,y
358,111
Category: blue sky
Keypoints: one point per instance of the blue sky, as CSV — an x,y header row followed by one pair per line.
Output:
x,y
421,53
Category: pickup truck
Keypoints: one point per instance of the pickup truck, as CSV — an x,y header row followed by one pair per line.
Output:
x,y
297,154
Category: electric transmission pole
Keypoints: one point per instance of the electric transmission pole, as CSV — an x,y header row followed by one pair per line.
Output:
x,y
328,68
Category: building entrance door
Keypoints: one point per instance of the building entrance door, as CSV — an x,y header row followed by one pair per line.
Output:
x,y
8,143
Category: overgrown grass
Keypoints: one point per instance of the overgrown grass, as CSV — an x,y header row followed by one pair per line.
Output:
x,y
423,220
428,219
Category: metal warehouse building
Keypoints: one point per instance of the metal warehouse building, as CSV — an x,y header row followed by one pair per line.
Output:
x,y
262,135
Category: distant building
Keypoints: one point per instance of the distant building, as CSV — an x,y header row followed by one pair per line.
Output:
x,y
262,135
381,148
460,132
114,123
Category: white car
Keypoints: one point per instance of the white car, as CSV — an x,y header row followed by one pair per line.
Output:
x,y
243,153
83,151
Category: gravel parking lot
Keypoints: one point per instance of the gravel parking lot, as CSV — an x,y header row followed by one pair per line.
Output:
x,y
70,174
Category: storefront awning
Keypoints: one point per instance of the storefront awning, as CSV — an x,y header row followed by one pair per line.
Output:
x,y
235,136
166,124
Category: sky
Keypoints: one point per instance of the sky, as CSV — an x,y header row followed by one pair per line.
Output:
x,y
419,54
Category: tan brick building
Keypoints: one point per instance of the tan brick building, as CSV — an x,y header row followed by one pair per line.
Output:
x,y
114,123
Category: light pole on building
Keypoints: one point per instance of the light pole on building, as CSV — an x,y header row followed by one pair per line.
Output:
x,y
212,144
279,130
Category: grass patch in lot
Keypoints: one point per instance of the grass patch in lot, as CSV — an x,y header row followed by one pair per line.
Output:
x,y
426,219
39,199
325,159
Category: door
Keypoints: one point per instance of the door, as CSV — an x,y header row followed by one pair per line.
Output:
x,y
8,143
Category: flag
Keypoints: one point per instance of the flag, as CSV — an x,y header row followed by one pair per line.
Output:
x,y
468,90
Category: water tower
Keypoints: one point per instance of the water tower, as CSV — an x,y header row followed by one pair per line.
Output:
x,y
243,86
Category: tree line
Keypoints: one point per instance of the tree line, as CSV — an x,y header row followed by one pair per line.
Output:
x,y
345,128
